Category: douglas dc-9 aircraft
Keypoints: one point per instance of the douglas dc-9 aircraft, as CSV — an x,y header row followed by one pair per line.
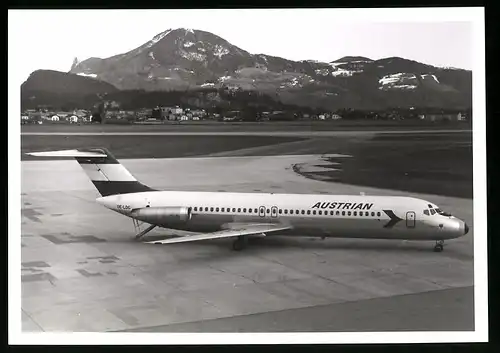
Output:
x,y
216,215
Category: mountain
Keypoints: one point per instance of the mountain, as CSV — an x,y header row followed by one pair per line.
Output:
x,y
48,87
186,59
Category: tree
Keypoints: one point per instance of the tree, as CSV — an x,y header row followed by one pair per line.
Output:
x,y
96,117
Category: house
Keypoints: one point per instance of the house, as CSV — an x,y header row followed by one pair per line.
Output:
x,y
441,117
144,113
110,115
63,114
80,113
176,111
198,112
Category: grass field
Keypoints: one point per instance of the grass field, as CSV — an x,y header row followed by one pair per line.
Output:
x,y
149,146
439,163
211,126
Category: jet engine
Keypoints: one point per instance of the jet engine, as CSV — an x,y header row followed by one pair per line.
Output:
x,y
162,215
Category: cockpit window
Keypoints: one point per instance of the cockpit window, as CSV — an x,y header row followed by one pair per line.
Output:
x,y
426,212
442,213
432,211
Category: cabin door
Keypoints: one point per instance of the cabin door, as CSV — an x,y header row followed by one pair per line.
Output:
x,y
410,219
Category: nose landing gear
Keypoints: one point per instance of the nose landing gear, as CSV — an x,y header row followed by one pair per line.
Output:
x,y
439,246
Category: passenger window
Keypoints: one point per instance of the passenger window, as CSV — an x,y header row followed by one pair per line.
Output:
x,y
337,213
286,211
314,212
320,212
426,212
268,210
378,214
206,209
296,211
373,214
367,213
217,209
244,210
239,210
343,213
303,211
308,211
331,213
280,211
255,210
249,210
234,209
196,208
348,213
211,209
355,213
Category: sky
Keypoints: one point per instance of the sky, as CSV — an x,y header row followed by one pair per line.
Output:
x,y
51,39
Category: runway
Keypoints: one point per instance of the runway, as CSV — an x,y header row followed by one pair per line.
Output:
x,y
303,133
81,270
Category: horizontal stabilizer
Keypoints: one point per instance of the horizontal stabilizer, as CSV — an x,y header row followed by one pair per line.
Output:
x,y
68,153
250,229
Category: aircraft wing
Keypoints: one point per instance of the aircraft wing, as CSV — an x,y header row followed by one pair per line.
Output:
x,y
232,231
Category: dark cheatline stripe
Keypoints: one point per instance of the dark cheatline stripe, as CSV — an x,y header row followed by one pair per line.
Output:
x,y
96,160
394,219
107,188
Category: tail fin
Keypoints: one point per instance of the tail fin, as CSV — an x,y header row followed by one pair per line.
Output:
x,y
107,174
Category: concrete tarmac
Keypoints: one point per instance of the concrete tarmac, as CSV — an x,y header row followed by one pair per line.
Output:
x,y
82,270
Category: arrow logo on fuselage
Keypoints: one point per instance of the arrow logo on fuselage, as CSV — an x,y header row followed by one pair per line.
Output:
x,y
394,219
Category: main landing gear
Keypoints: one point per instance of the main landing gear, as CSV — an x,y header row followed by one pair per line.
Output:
x,y
439,246
240,243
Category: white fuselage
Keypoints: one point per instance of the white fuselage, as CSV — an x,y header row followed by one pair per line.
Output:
x,y
356,216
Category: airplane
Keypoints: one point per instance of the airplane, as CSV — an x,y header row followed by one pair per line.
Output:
x,y
215,215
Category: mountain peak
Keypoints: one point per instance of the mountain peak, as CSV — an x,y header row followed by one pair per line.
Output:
x,y
75,63
351,59
185,58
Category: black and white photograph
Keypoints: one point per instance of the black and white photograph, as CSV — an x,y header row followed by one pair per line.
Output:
x,y
263,175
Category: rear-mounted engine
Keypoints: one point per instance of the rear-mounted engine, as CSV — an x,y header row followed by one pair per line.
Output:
x,y
162,215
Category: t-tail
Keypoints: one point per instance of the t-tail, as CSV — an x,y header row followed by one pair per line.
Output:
x,y
107,174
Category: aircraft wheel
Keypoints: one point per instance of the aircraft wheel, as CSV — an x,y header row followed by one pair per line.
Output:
x,y
240,243
439,246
